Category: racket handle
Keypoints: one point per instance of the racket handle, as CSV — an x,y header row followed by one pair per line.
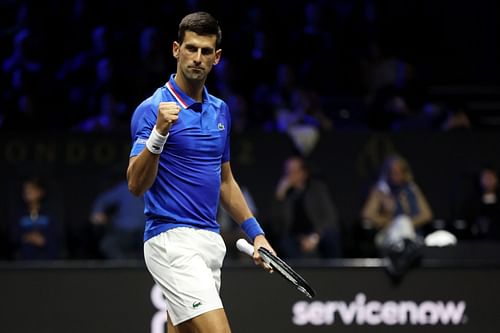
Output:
x,y
245,246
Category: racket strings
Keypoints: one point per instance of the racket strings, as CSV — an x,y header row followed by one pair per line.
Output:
x,y
287,272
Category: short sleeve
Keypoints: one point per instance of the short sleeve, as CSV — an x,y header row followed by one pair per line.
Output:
x,y
143,121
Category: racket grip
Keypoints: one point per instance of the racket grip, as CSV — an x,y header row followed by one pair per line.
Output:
x,y
245,246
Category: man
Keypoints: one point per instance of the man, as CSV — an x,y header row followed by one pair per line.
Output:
x,y
117,218
180,162
308,222
35,235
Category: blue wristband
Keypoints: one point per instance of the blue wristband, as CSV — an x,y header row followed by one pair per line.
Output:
x,y
252,228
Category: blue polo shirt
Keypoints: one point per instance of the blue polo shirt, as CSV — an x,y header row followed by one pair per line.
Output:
x,y
187,187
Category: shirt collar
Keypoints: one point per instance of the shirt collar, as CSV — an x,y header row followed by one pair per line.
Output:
x,y
182,98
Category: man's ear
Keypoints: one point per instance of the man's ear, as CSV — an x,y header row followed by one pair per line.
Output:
x,y
218,54
176,47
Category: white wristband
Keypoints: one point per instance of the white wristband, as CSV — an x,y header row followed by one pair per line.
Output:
x,y
156,141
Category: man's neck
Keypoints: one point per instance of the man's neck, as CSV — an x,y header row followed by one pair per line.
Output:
x,y
193,89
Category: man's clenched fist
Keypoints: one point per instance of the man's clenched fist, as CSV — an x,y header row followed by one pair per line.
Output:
x,y
168,113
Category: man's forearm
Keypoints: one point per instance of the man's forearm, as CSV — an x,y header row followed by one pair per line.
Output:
x,y
141,172
234,202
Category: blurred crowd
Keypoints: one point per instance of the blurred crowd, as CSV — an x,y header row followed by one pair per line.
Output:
x,y
298,68
324,65
395,218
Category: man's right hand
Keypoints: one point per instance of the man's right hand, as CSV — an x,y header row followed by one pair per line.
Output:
x,y
34,238
168,113
282,188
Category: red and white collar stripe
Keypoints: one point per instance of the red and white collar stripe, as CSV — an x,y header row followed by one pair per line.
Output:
x,y
176,95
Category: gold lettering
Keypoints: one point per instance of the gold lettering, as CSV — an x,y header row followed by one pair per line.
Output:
x,y
104,153
45,152
75,152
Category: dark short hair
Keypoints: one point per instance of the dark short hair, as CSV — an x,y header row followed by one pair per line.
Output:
x,y
304,164
201,23
489,166
36,181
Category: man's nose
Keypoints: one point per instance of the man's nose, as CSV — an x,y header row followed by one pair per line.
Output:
x,y
197,58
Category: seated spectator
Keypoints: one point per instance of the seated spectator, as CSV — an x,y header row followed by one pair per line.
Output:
x,y
121,215
35,233
393,92
227,87
308,225
151,63
22,75
481,208
297,111
107,112
397,208
78,73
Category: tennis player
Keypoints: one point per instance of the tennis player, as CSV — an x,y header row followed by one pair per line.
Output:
x,y
180,162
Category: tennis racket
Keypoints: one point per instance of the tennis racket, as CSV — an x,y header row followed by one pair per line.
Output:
x,y
278,265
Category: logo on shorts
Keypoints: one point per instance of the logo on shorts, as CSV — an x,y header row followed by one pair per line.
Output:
x,y
220,126
196,304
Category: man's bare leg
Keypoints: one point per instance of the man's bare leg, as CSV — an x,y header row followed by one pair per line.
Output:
x,y
214,321
170,327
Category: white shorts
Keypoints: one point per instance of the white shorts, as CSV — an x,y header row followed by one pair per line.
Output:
x,y
186,264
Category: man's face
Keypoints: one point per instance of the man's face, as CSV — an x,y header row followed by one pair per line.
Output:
x,y
396,173
295,172
32,193
196,55
489,180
